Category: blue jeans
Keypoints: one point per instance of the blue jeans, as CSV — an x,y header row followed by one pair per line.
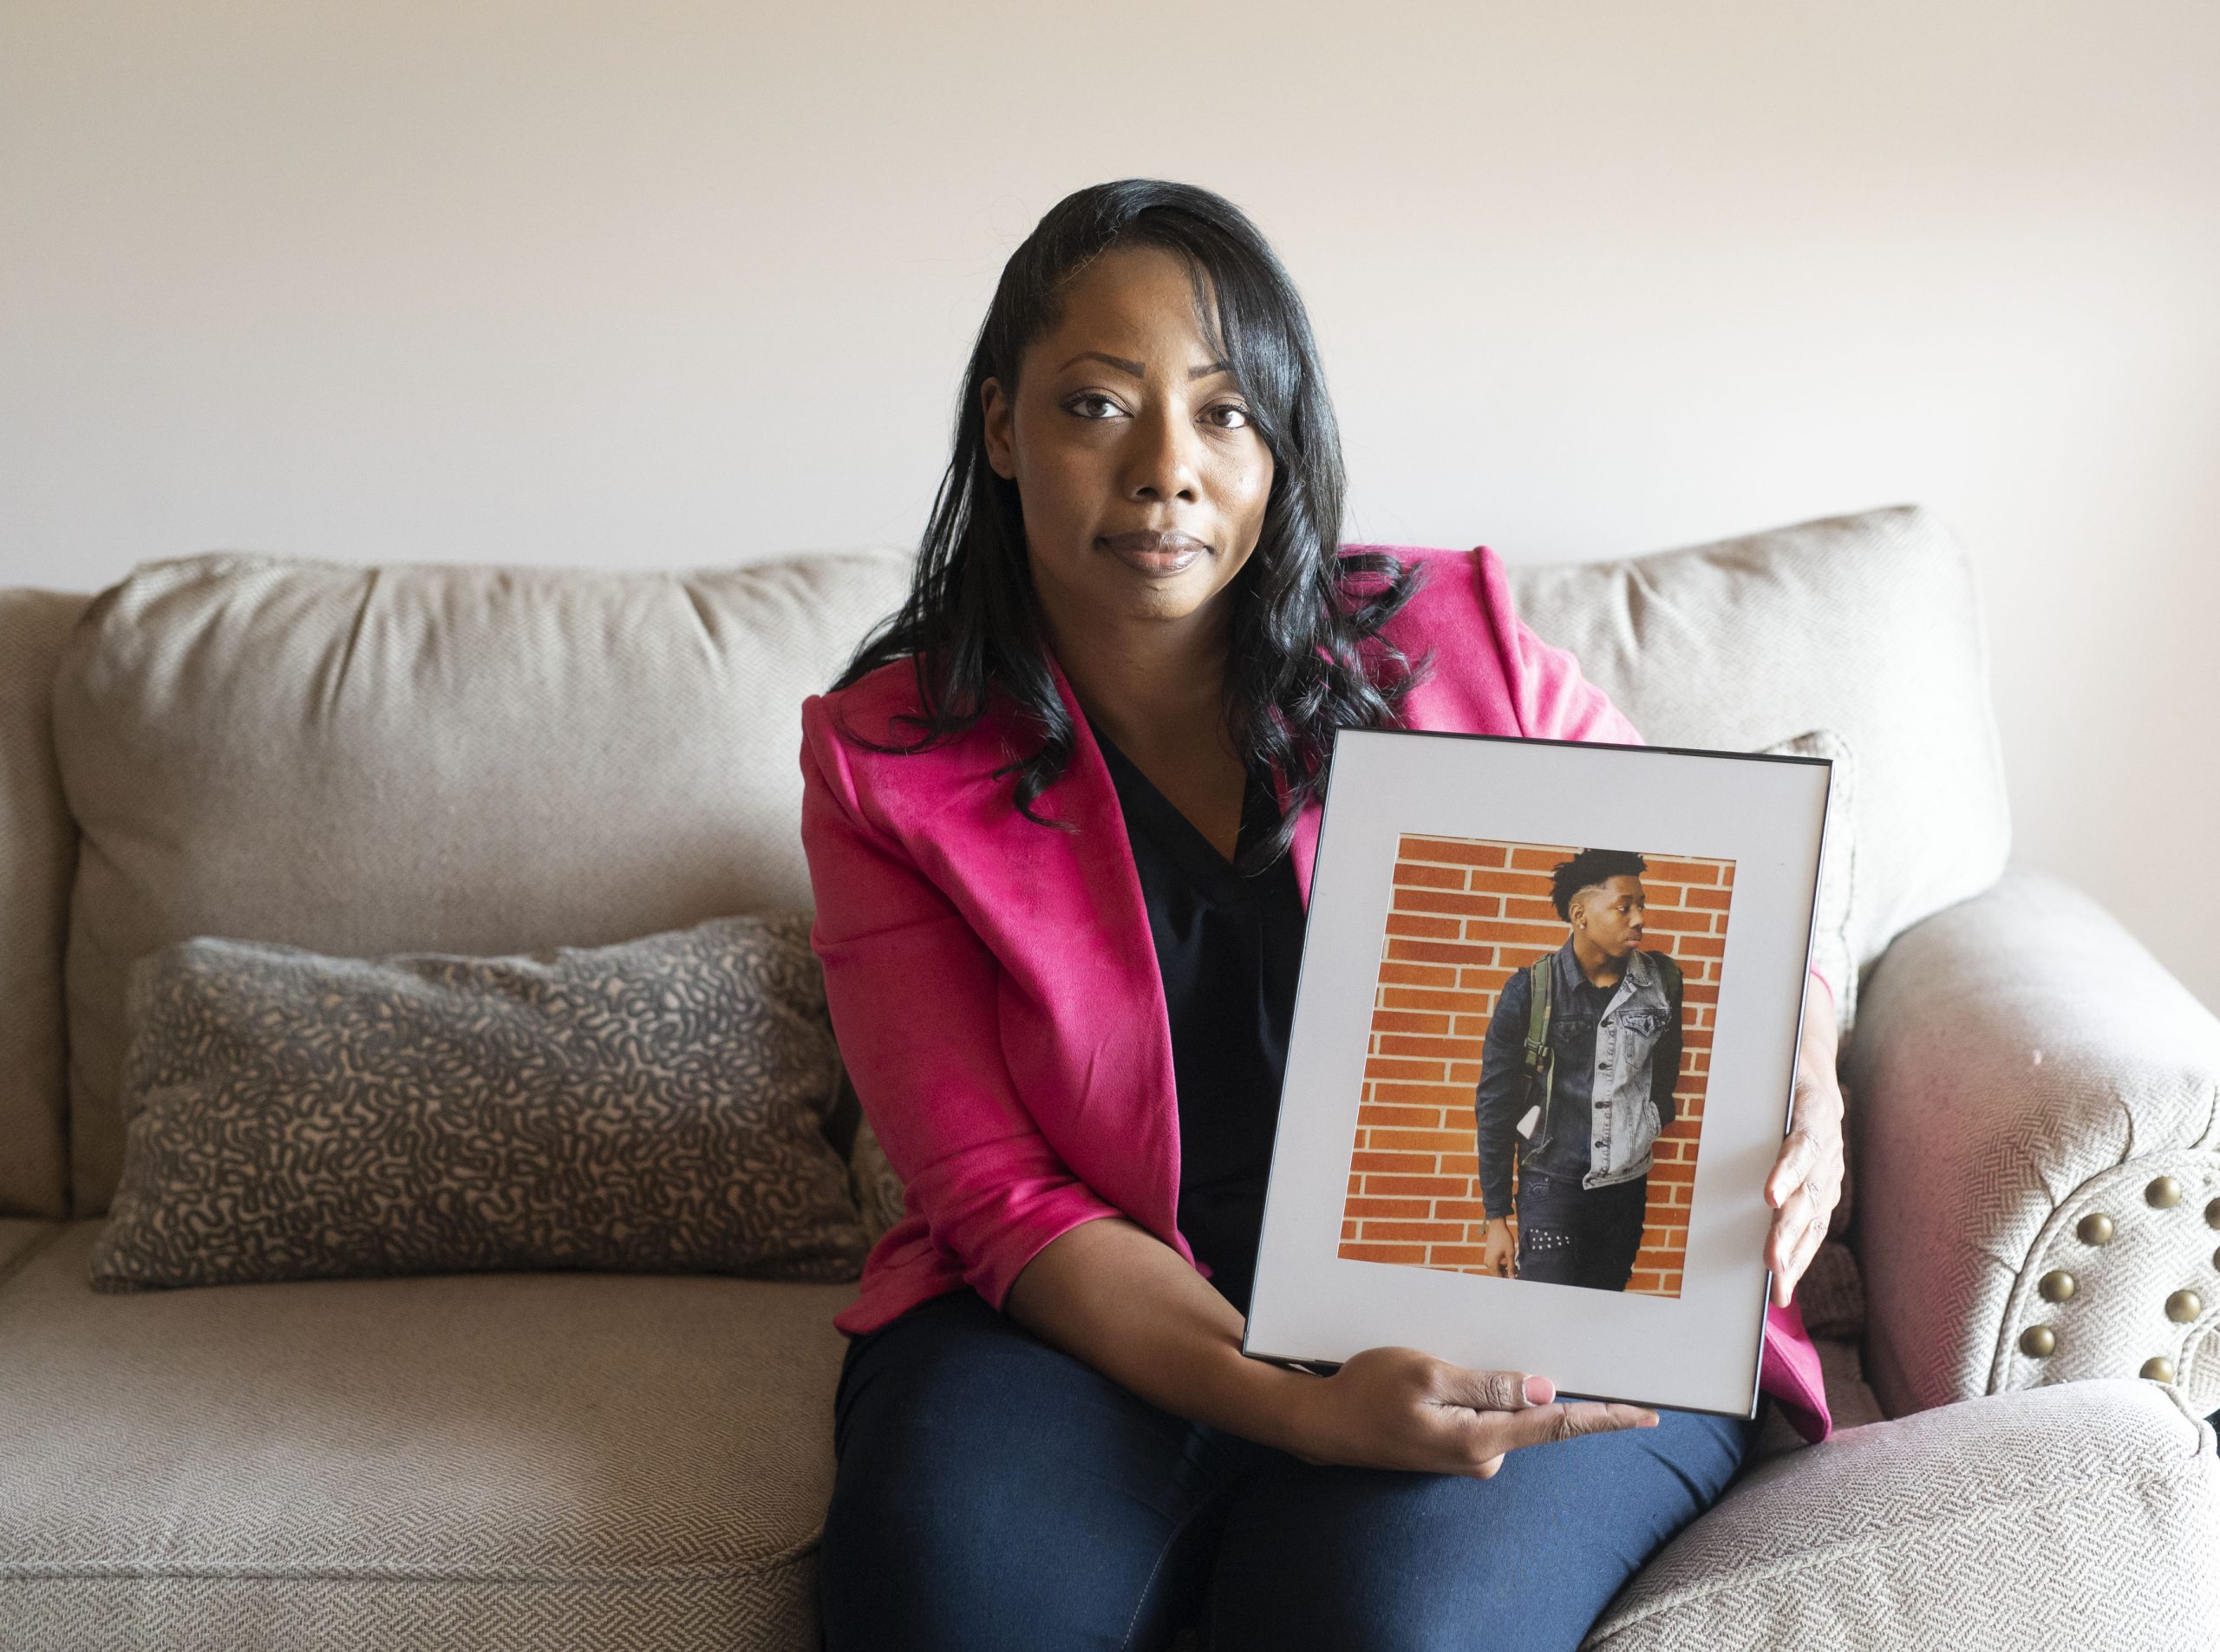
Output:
x,y
993,1491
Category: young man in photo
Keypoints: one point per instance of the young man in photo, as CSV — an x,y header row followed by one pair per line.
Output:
x,y
1580,1094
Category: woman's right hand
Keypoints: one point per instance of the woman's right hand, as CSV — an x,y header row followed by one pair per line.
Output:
x,y
1400,1407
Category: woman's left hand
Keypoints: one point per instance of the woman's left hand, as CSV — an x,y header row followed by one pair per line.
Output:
x,y
1806,1180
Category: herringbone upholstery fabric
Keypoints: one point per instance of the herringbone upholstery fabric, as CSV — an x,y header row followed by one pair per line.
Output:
x,y
397,1612
2024,1062
2083,1515
458,1461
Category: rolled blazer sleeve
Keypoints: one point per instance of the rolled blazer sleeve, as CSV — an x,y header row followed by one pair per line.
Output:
x,y
1553,699
912,990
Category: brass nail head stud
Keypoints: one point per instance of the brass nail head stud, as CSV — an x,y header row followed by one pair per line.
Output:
x,y
2164,1193
2037,1340
2212,1214
2096,1228
2056,1285
2184,1306
2158,1370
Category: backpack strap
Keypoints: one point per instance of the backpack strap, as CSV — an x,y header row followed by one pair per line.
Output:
x,y
1540,1059
1670,968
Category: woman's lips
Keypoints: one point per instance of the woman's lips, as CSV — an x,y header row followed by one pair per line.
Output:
x,y
1159,554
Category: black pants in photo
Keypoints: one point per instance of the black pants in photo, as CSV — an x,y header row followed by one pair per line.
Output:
x,y
1569,1235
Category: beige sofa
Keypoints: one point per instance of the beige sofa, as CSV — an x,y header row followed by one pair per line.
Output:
x,y
483,759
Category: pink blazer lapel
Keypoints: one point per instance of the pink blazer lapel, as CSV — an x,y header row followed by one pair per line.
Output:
x,y
1071,927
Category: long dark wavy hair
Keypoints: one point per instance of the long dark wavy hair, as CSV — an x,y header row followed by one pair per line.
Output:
x,y
1306,657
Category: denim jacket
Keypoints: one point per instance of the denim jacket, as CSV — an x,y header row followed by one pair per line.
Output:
x,y
1615,1074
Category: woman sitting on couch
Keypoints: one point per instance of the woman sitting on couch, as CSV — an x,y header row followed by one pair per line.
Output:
x,y
1048,810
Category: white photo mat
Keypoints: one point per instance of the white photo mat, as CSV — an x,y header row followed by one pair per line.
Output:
x,y
1697,1351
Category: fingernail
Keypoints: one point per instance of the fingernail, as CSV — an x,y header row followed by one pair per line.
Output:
x,y
1538,1391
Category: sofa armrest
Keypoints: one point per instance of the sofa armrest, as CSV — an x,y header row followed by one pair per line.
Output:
x,y
2083,1515
2034,1113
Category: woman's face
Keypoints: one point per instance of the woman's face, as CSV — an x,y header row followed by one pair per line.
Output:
x,y
1142,481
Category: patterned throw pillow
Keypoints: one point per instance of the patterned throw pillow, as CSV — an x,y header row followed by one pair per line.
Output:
x,y
652,1107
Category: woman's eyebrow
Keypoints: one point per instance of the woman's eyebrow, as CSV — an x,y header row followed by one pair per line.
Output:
x,y
1134,368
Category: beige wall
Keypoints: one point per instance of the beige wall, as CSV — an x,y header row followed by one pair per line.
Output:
x,y
656,283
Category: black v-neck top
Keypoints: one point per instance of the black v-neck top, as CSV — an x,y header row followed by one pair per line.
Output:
x,y
1228,947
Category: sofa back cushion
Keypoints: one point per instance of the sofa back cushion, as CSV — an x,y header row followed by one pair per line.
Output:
x,y
1865,626
486,759
473,758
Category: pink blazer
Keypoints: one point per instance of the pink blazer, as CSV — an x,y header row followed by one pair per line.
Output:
x,y
994,984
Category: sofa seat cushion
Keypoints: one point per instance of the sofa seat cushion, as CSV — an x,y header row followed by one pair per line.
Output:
x,y
459,1461
19,1237
2083,1514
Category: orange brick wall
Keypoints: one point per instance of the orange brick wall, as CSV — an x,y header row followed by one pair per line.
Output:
x,y
1467,913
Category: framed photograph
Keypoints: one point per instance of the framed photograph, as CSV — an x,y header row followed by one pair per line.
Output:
x,y
1544,1051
